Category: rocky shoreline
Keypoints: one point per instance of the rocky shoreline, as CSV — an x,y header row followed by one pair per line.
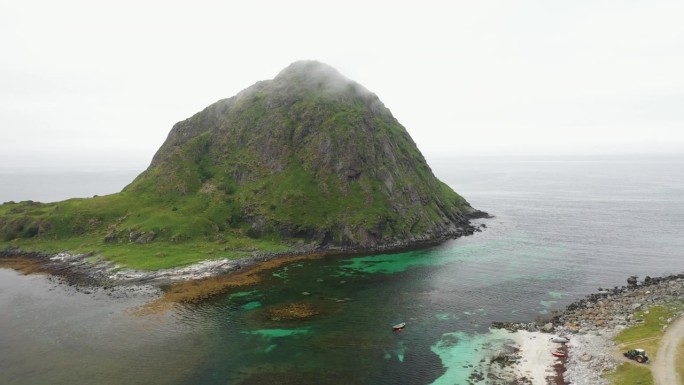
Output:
x,y
91,272
591,323
90,269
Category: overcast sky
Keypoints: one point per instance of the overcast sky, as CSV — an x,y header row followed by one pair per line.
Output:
x,y
91,84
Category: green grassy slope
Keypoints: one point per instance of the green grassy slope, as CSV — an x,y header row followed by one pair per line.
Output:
x,y
186,230
308,157
647,336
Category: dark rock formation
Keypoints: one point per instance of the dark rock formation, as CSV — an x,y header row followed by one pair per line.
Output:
x,y
312,155
309,160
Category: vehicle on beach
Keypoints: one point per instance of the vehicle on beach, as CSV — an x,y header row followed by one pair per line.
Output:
x,y
638,355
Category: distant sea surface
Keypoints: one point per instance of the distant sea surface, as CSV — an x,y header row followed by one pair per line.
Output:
x,y
562,228
43,186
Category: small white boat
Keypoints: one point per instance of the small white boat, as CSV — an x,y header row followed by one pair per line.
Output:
x,y
399,326
560,340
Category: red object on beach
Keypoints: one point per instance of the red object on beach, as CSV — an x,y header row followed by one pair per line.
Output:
x,y
558,354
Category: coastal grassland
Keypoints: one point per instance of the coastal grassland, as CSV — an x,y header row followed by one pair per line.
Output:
x,y
647,335
628,374
151,256
147,232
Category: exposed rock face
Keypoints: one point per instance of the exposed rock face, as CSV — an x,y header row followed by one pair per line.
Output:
x,y
312,155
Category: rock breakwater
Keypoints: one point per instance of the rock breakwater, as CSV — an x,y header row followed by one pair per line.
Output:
x,y
608,308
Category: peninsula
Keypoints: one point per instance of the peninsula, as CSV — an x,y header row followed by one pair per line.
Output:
x,y
308,161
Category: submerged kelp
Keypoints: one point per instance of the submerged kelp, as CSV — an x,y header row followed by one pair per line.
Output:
x,y
293,311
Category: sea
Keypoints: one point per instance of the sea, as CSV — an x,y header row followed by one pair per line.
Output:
x,y
561,228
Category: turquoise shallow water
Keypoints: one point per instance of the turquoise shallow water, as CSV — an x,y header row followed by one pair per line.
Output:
x,y
448,295
562,229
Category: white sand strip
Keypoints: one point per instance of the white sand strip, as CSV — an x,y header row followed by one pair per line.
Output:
x,y
536,362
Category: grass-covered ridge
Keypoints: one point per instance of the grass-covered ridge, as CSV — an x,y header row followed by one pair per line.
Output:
x,y
306,158
184,230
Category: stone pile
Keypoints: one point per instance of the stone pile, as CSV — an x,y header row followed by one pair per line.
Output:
x,y
610,308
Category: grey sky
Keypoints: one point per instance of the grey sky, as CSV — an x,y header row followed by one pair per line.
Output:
x,y
99,84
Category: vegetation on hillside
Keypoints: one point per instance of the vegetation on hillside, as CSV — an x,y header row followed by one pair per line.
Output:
x,y
306,158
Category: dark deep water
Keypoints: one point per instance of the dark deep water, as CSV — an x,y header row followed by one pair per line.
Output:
x,y
562,229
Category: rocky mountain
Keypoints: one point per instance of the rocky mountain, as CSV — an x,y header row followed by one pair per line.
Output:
x,y
309,154
309,157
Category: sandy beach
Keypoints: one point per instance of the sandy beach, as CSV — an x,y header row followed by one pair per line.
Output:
x,y
536,362
526,359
